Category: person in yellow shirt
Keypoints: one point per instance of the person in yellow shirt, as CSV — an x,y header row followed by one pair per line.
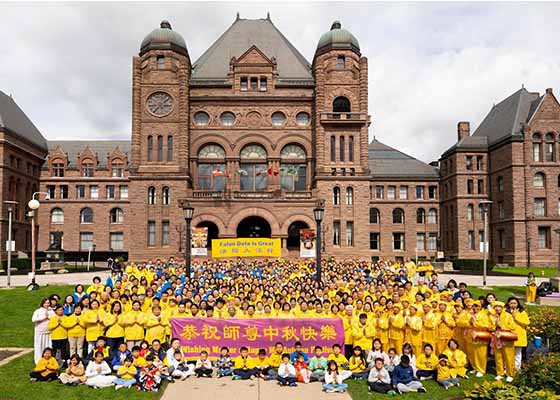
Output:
x,y
133,322
243,365
445,327
59,334
426,363
347,320
362,333
96,287
396,328
531,291
92,324
382,327
358,364
413,329
462,324
457,358
446,376
126,374
504,350
262,365
114,327
522,321
76,332
275,358
429,325
341,361
156,326
480,322
46,368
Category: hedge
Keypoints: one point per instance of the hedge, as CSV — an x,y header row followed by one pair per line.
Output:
x,y
471,265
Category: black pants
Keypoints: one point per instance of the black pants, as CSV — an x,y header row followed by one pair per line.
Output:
x,y
37,375
423,373
114,343
286,381
379,387
203,372
262,372
244,373
348,350
62,346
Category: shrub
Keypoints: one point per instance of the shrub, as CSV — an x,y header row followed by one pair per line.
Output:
x,y
545,322
23,263
502,391
471,265
541,372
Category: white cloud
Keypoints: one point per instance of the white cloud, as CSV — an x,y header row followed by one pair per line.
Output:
x,y
431,64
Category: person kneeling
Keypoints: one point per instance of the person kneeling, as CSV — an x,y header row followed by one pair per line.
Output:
x,y
403,378
446,376
379,379
333,379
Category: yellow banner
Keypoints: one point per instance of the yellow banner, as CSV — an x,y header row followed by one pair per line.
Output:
x,y
246,247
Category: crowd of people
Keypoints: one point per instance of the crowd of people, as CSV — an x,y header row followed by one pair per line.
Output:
x,y
402,325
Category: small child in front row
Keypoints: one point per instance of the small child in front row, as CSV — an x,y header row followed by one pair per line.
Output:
x,y
126,375
150,377
303,373
333,379
446,376
203,367
46,368
262,365
224,363
286,372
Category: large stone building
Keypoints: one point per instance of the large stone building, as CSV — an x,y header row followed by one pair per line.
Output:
x,y
254,136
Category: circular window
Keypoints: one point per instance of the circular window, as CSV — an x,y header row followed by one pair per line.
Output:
x,y
201,118
278,119
302,119
227,118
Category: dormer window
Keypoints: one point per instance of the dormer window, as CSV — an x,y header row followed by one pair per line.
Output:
x,y
57,169
263,84
117,169
87,169
340,62
244,84
160,62
254,83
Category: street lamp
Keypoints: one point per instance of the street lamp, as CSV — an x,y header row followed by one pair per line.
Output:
x,y
529,253
557,230
485,206
319,213
188,212
9,242
34,206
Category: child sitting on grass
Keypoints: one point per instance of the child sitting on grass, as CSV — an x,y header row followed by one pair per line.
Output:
x,y
75,373
333,379
150,377
446,376
126,375
46,368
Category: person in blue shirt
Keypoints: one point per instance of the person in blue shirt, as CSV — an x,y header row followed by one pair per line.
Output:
x,y
297,352
120,355
403,378
461,291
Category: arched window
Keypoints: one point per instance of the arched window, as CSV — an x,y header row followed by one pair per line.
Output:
x,y
470,212
201,118
253,168
211,168
333,148
88,168
349,196
420,216
278,118
539,180
537,147
336,196
169,148
57,216
160,148
293,168
165,196
341,104
116,216
373,216
117,168
150,148
86,216
432,216
152,195
398,216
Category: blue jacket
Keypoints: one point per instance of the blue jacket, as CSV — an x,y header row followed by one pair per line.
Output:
x,y
402,375
117,358
294,355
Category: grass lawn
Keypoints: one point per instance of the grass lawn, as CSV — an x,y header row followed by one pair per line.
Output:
x,y
543,272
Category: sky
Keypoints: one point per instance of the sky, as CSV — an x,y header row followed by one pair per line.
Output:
x,y
68,65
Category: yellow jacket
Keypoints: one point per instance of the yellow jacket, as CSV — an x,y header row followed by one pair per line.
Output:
x,y
521,320
58,332
457,361
446,325
262,364
356,364
275,360
396,327
74,325
347,322
45,366
92,323
127,372
445,372
156,328
481,322
114,325
383,329
413,330
426,363
340,360
363,335
134,325
243,363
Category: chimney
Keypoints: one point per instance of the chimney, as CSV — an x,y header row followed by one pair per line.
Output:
x,y
549,90
463,129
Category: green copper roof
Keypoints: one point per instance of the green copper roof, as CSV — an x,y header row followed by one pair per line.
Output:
x,y
164,38
338,38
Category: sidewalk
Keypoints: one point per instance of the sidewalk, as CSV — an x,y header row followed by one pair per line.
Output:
x,y
225,388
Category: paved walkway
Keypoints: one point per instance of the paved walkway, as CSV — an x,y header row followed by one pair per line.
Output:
x,y
86,278
225,388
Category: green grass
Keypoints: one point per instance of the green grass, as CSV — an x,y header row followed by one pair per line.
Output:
x,y
15,384
359,391
543,272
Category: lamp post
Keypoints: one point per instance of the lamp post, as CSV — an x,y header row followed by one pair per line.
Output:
x,y
9,242
486,205
188,212
529,253
34,206
555,282
319,213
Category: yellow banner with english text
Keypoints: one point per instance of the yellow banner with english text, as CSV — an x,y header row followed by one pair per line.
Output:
x,y
246,247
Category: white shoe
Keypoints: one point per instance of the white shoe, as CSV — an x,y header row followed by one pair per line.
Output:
x,y
509,379
117,387
479,374
499,377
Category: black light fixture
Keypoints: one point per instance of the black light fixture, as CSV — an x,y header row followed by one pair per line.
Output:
x,y
319,213
188,212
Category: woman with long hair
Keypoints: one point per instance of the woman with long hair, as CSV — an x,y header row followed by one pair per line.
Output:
x,y
40,319
522,321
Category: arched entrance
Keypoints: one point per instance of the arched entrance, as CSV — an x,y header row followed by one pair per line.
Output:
x,y
213,231
253,227
292,243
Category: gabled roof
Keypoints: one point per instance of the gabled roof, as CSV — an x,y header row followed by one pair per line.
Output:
x,y
506,117
13,119
387,162
240,36
469,143
102,148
